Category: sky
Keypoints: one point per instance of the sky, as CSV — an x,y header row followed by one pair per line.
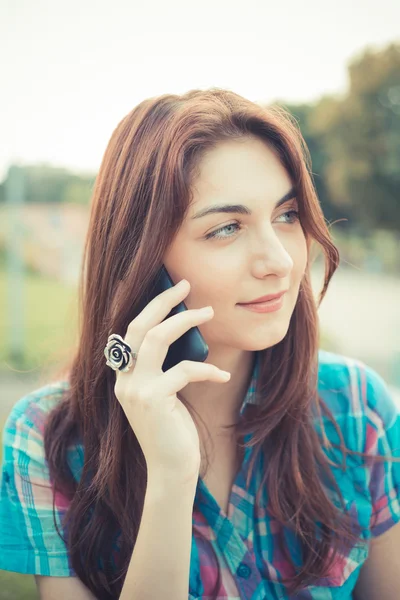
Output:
x,y
70,71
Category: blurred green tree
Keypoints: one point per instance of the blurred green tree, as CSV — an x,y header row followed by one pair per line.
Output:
x,y
48,184
360,136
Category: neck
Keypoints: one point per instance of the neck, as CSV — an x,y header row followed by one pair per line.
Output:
x,y
219,403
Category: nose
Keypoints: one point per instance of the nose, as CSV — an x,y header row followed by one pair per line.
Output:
x,y
271,257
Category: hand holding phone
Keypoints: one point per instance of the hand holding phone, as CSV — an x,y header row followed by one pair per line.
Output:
x,y
162,424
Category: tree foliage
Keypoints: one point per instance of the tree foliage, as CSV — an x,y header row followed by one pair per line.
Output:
x,y
355,143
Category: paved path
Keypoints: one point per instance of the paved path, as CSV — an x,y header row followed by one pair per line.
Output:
x,y
361,315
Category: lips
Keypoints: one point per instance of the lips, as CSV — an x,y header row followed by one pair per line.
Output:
x,y
265,298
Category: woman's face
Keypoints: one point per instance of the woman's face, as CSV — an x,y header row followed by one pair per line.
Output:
x,y
264,252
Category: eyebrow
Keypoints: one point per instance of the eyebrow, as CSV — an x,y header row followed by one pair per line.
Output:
x,y
239,208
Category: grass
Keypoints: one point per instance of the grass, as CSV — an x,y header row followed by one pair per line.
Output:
x,y
49,321
14,586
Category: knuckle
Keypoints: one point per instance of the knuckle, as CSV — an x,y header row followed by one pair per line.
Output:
x,y
140,395
133,327
144,397
154,335
159,301
118,390
187,368
185,365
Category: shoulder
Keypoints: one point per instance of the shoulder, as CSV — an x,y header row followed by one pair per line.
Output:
x,y
358,397
24,427
23,434
368,417
29,541
41,399
29,414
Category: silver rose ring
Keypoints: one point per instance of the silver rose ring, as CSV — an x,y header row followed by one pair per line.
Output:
x,y
119,354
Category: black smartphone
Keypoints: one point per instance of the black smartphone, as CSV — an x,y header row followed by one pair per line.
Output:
x,y
191,345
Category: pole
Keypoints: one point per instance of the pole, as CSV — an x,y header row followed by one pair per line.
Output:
x,y
15,196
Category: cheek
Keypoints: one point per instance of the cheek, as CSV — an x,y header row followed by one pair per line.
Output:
x,y
216,287
299,253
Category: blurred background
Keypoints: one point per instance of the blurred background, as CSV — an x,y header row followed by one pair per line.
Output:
x,y
71,71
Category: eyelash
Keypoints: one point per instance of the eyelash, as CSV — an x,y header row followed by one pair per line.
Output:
x,y
215,234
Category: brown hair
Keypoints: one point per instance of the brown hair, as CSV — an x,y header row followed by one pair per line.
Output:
x,y
140,198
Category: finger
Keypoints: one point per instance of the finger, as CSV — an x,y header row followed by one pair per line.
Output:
x,y
151,315
157,341
187,371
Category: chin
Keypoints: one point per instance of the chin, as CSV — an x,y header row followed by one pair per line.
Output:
x,y
265,338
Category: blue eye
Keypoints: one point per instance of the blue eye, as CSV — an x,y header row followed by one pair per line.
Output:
x,y
294,215
216,233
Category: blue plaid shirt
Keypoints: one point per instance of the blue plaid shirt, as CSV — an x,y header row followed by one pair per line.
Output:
x,y
245,539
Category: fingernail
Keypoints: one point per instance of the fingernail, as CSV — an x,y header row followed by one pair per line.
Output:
x,y
225,374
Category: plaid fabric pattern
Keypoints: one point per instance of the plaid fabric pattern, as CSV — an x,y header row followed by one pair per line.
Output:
x,y
246,539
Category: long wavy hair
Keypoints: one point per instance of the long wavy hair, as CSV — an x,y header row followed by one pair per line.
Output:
x,y
140,198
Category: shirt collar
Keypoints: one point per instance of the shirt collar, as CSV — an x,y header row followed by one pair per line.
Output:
x,y
251,397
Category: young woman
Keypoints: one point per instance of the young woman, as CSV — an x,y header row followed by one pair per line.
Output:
x,y
122,480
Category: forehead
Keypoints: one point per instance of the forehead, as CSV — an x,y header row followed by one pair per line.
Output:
x,y
240,169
